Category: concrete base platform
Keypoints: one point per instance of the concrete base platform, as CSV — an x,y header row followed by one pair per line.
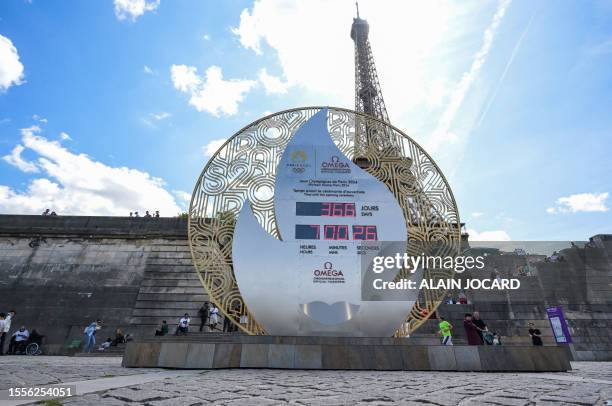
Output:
x,y
386,354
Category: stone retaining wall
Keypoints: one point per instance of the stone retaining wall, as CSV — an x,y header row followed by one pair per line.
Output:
x,y
61,272
342,354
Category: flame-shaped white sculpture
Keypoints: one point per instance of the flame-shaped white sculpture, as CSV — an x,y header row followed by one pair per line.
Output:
x,y
310,281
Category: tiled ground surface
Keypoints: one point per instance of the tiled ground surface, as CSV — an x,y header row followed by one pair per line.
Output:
x,y
588,384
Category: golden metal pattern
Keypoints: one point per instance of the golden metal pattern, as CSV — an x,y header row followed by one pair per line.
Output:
x,y
245,166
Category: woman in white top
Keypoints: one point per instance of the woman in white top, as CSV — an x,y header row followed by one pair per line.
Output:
x,y
214,317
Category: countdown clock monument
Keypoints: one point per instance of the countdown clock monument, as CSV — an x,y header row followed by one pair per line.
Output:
x,y
288,210
284,223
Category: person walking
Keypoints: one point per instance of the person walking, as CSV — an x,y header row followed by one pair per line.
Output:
x,y
471,331
535,334
482,326
445,331
90,335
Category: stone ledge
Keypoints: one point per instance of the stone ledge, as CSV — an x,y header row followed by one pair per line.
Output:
x,y
93,226
341,354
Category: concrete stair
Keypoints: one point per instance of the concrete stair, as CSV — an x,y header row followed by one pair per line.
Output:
x,y
195,337
111,352
170,288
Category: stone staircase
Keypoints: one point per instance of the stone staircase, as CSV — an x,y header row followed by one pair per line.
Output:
x,y
170,288
111,352
203,337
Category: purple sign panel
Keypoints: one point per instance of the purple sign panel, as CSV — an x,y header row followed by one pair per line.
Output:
x,y
558,324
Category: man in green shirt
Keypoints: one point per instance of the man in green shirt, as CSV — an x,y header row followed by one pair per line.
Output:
x,y
445,331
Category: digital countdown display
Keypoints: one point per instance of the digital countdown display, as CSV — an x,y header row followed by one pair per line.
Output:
x,y
327,209
340,232
335,232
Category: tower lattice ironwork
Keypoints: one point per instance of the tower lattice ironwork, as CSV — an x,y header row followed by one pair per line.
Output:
x,y
379,151
368,95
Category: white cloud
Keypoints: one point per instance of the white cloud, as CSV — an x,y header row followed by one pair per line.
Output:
x,y
17,161
506,69
154,118
77,184
133,9
251,28
206,37
147,70
495,235
11,68
161,115
211,94
185,78
429,56
319,57
15,158
65,137
582,202
441,135
183,197
477,214
272,84
40,119
209,149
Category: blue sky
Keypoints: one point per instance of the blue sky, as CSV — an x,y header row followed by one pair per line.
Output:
x,y
110,106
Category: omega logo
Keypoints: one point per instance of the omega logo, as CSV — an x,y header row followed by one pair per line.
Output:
x,y
328,270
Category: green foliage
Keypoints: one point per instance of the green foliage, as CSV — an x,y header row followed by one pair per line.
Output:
x,y
50,402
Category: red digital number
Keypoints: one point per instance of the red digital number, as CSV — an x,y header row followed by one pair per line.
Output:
x,y
338,210
370,233
326,210
318,230
358,233
365,233
349,210
336,232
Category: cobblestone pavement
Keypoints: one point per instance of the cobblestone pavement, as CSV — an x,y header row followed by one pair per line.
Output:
x,y
21,370
588,384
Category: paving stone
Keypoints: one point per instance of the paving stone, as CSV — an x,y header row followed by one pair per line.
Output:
x,y
588,383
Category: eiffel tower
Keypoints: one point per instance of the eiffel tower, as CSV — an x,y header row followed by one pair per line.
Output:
x,y
379,150
369,137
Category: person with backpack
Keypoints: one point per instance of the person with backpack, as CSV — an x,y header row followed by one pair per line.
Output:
x,y
90,335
